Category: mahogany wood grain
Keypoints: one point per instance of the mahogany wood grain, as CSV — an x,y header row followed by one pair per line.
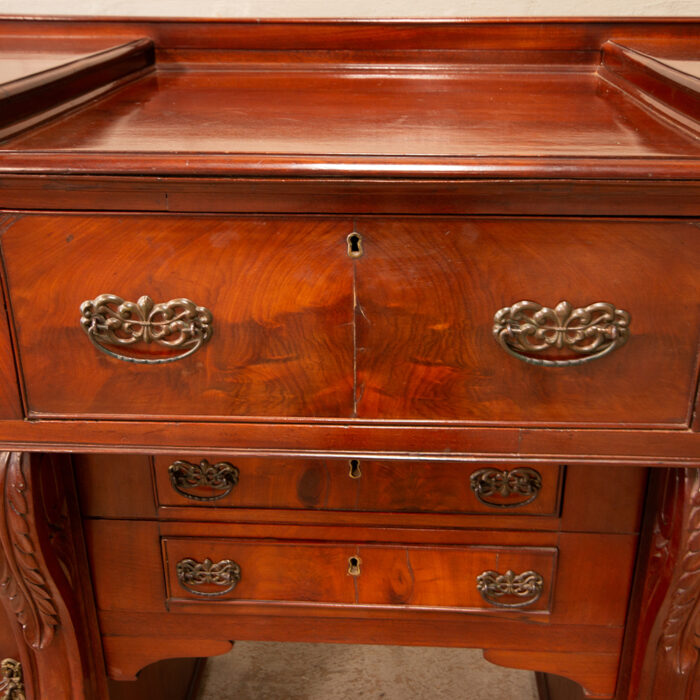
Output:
x,y
388,359
427,292
10,397
102,482
672,92
415,577
35,93
570,34
371,485
613,447
102,479
280,292
575,197
230,112
591,583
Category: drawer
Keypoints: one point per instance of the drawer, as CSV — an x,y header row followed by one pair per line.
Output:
x,y
265,328
381,491
526,321
264,568
443,331
227,571
378,485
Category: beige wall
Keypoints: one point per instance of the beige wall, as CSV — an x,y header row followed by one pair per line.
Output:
x,y
353,8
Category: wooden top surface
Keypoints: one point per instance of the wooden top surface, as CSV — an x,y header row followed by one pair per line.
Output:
x,y
521,112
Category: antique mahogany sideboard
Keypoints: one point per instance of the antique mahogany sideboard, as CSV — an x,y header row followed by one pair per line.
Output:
x,y
378,332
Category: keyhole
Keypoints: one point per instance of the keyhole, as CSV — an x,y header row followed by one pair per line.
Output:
x,y
354,245
354,566
355,472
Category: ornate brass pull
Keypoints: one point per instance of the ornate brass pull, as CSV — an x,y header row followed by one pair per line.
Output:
x,y
11,680
225,573
178,324
491,484
222,477
527,328
494,586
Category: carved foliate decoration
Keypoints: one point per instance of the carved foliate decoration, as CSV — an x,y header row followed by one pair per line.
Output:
x,y
11,680
178,325
494,587
185,476
22,580
528,331
492,486
681,630
225,574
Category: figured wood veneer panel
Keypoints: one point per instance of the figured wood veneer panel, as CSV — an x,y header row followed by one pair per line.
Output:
x,y
428,290
280,292
443,577
379,485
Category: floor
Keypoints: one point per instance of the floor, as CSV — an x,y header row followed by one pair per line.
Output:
x,y
271,671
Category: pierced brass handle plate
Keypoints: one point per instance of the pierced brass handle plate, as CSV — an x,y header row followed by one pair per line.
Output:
x,y
187,476
11,680
495,587
178,324
527,329
191,573
497,488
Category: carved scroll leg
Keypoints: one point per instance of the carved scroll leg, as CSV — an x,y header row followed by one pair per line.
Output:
x,y
43,587
662,646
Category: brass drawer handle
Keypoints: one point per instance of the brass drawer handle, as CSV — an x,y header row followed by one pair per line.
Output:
x,y
222,477
491,484
225,573
494,586
178,324
527,328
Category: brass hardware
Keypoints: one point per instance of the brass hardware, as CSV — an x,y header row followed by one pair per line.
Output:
x,y
11,680
355,245
222,476
493,586
528,328
355,471
489,482
178,324
354,566
225,573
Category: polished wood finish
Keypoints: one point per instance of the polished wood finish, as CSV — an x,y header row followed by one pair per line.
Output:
x,y
427,292
481,163
43,586
280,292
176,679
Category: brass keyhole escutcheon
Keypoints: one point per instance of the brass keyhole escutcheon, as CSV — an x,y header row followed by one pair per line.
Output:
x,y
354,566
355,471
355,245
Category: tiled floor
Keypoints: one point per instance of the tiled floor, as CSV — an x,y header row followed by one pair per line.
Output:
x,y
271,671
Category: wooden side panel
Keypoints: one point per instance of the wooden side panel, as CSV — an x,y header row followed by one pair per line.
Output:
x,y
114,486
10,401
427,293
279,291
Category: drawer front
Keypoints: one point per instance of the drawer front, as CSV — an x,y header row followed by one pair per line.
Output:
x,y
358,485
267,331
424,577
444,335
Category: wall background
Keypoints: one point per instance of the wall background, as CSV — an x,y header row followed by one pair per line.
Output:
x,y
353,8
